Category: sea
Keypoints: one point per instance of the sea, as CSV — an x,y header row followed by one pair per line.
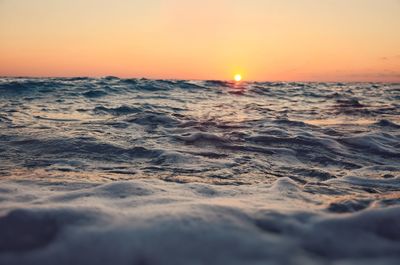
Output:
x,y
141,171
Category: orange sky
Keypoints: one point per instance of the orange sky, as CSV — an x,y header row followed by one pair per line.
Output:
x,y
329,40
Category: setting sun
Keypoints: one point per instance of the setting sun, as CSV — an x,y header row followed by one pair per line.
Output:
x,y
238,77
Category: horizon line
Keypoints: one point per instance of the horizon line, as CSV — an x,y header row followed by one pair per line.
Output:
x,y
195,79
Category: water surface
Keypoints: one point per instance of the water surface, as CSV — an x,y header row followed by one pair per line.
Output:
x,y
298,166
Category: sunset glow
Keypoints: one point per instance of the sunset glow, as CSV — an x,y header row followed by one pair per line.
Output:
x,y
271,40
200,132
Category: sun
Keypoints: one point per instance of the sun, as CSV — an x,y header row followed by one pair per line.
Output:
x,y
237,77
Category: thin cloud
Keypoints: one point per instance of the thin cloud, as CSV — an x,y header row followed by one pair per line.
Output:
x,y
385,74
388,58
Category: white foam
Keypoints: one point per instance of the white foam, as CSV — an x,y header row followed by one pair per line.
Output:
x,y
157,222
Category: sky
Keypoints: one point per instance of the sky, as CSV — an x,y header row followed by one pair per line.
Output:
x,y
263,40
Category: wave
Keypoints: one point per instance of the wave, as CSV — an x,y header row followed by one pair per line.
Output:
x,y
121,110
102,165
214,218
94,93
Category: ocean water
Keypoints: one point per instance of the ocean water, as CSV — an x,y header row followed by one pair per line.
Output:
x,y
138,171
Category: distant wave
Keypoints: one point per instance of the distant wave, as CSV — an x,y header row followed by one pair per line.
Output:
x,y
267,124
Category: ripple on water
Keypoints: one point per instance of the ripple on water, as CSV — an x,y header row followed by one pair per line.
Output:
x,y
227,169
